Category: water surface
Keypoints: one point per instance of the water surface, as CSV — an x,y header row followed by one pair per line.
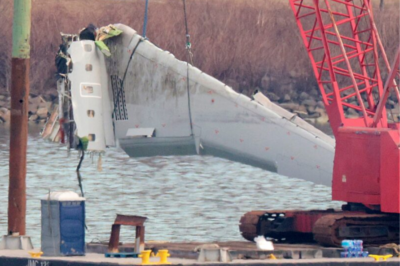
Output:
x,y
188,198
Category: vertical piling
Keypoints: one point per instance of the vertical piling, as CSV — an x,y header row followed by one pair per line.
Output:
x,y
19,116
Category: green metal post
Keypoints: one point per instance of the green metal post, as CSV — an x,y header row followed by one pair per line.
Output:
x,y
19,116
21,29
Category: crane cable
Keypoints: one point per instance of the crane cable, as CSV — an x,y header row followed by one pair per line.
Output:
x,y
145,19
189,58
117,101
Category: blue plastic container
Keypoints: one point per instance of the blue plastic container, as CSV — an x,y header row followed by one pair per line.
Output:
x,y
353,249
347,244
63,224
344,254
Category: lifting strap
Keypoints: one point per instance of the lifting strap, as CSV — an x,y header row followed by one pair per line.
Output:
x,y
189,58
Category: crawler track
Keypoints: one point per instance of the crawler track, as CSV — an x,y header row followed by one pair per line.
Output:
x,y
373,229
249,223
328,228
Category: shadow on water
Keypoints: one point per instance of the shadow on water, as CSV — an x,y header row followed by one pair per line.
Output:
x,y
188,198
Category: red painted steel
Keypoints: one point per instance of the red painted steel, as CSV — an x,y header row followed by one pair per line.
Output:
x,y
305,220
357,165
390,172
344,47
133,220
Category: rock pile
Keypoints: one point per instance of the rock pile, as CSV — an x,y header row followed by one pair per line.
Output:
x,y
308,105
300,95
38,110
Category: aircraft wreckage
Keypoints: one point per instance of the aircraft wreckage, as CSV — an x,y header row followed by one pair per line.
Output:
x,y
127,92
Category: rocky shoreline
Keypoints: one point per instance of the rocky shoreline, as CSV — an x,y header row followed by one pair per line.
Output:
x,y
308,106
313,111
39,108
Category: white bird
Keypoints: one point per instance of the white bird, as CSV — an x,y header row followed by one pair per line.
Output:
x,y
263,244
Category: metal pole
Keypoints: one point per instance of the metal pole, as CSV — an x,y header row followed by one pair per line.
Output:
x,y
19,116
145,19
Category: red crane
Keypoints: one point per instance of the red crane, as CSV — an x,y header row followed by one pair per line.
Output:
x,y
346,54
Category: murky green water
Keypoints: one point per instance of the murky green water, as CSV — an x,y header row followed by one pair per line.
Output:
x,y
189,198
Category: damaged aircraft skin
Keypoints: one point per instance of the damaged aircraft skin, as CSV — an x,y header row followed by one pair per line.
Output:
x,y
151,113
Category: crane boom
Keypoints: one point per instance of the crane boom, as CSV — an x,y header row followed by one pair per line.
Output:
x,y
345,51
344,47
